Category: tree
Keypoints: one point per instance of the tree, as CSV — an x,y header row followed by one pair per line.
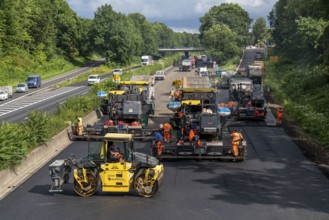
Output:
x,y
232,15
146,31
292,23
259,30
221,42
164,35
113,35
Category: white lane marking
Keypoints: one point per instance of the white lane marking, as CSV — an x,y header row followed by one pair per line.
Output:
x,y
41,100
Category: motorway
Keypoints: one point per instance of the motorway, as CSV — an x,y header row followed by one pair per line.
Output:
x,y
275,182
44,98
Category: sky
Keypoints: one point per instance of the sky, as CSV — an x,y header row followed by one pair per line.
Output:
x,y
179,15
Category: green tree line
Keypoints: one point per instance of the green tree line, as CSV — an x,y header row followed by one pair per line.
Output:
x,y
47,37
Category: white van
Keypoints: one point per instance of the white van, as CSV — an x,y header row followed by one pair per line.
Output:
x,y
8,90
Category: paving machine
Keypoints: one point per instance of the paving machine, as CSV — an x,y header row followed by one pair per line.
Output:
x,y
129,107
113,165
248,98
198,111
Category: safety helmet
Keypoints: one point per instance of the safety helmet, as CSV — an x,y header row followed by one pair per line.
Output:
x,y
161,126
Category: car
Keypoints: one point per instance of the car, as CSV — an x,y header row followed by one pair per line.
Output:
x,y
22,87
3,95
159,75
93,79
117,71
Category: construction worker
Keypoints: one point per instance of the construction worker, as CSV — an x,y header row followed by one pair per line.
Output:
x,y
159,140
79,125
236,138
222,104
172,94
167,128
191,135
279,116
230,105
151,92
115,153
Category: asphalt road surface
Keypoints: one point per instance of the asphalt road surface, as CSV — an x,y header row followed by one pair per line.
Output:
x,y
275,182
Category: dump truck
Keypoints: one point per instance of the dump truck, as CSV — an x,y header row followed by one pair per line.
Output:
x,y
185,65
112,164
256,73
198,111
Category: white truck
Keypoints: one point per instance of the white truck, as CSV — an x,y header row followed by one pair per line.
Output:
x,y
147,60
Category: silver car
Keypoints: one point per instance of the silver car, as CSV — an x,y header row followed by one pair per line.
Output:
x,y
22,87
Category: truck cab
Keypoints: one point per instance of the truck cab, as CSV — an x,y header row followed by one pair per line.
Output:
x,y
34,81
147,60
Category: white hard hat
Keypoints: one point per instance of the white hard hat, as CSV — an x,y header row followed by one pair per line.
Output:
x,y
161,125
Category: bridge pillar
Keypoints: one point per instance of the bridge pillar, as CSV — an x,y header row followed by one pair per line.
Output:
x,y
186,54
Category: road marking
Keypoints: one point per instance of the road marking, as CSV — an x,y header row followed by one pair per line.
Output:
x,y
6,108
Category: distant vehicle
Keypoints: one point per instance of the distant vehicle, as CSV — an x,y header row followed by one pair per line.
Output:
x,y
34,81
8,90
203,71
185,65
159,75
92,79
204,59
22,87
3,95
147,60
259,56
117,71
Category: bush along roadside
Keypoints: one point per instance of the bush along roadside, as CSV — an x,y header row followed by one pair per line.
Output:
x,y
303,92
18,139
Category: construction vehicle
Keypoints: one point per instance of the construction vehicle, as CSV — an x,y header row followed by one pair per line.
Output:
x,y
256,73
185,65
129,107
248,97
202,71
89,132
198,112
259,56
118,170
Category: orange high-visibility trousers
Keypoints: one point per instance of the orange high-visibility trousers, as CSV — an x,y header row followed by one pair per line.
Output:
x,y
159,147
235,148
166,136
279,118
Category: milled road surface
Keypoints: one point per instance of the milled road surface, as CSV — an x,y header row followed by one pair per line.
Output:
x,y
275,182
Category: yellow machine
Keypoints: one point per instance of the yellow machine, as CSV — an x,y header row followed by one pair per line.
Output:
x,y
114,164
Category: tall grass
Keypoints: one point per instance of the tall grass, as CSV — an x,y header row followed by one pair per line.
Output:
x,y
303,90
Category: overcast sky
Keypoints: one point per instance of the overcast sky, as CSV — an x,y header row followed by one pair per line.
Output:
x,y
179,15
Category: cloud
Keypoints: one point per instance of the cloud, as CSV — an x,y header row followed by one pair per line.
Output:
x,y
169,10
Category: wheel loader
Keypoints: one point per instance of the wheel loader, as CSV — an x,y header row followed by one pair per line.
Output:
x,y
121,170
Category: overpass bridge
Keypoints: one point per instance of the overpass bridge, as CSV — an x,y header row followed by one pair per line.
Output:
x,y
185,50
